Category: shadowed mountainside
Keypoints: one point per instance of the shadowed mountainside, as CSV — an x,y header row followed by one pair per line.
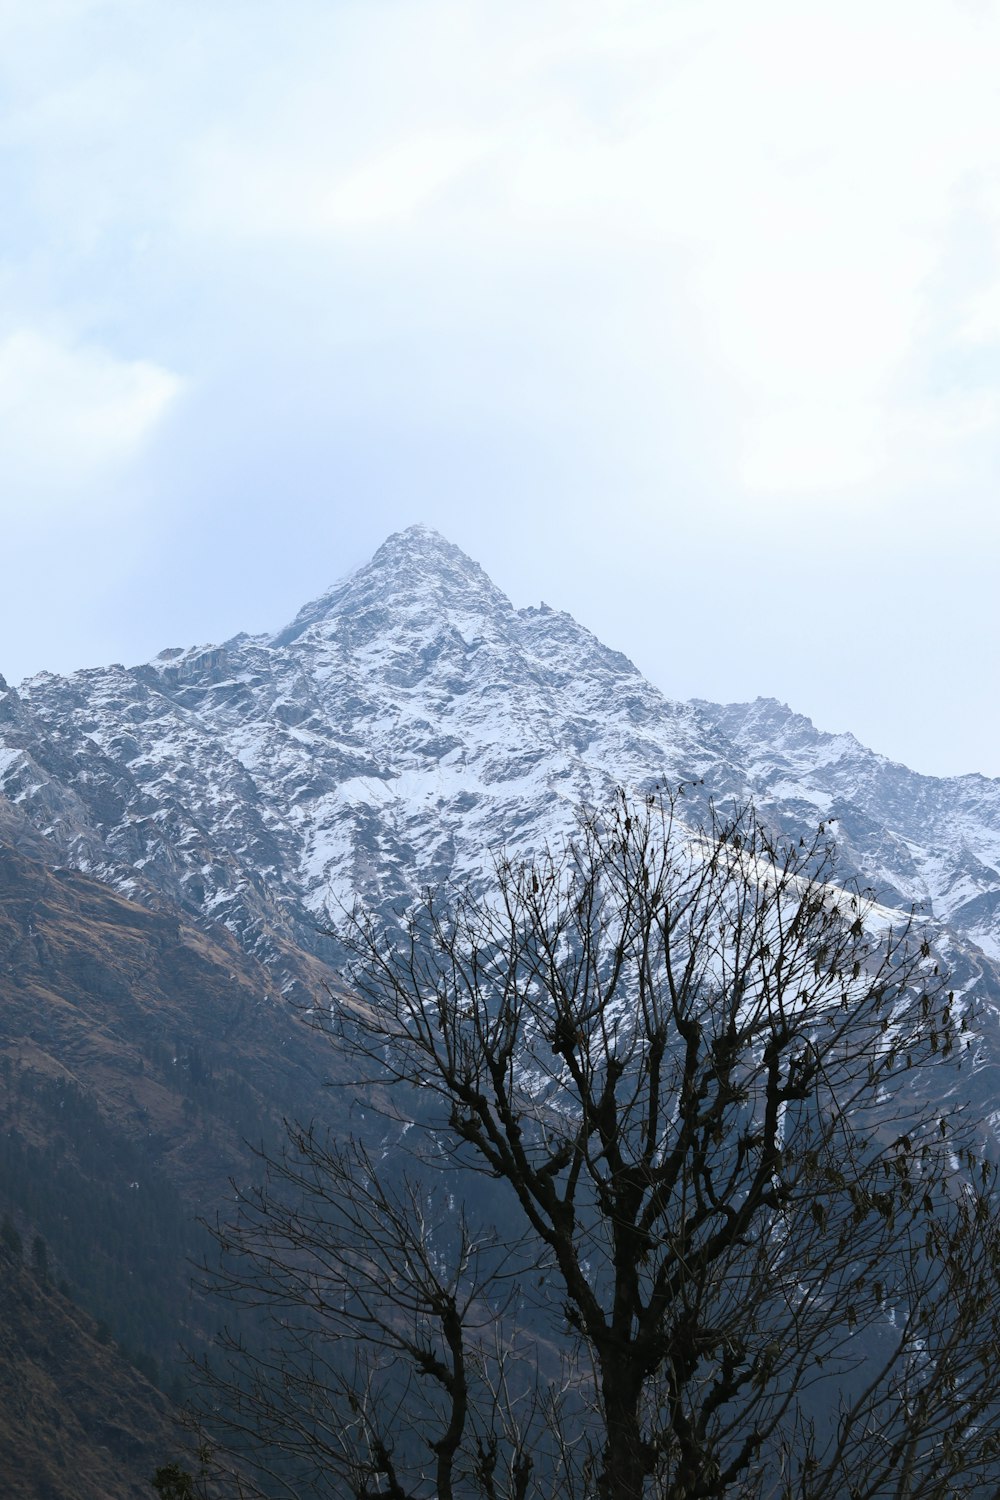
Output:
x,y
138,1055
76,1418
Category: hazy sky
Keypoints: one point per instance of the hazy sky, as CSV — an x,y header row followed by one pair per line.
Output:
x,y
684,317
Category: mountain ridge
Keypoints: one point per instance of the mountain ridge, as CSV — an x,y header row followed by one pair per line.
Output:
x,y
176,837
407,724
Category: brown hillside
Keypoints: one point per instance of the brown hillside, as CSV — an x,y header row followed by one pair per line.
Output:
x,y
77,1421
137,1055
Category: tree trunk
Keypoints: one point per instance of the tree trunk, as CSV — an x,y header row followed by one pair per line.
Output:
x,y
628,1461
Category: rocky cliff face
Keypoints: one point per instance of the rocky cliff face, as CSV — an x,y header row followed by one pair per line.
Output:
x,y
405,726
402,728
924,840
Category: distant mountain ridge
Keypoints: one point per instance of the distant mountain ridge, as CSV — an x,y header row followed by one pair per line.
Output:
x,y
407,724
932,841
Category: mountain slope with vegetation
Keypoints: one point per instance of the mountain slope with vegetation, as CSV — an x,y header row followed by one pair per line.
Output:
x,y
76,1417
139,1055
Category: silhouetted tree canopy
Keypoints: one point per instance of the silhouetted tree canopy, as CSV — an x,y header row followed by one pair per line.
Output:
x,y
655,1194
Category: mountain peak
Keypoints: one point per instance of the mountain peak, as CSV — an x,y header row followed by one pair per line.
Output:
x,y
419,551
413,571
417,723
418,539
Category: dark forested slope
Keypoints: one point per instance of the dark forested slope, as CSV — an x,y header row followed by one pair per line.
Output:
x,y
138,1056
76,1418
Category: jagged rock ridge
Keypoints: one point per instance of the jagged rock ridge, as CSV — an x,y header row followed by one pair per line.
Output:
x,y
406,725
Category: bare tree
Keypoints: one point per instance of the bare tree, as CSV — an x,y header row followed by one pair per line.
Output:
x,y
663,1205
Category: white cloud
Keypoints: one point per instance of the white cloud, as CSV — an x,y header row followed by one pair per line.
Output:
x,y
782,183
69,414
787,178
981,323
788,447
271,195
393,186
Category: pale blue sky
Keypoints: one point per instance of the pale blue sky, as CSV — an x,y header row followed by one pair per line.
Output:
x,y
683,315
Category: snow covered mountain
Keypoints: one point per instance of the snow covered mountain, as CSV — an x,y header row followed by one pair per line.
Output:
x,y
405,726
401,730
924,840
